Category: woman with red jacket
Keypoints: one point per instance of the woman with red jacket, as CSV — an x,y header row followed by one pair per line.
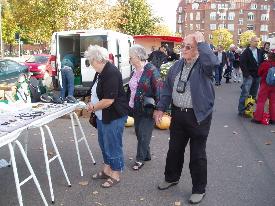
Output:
x,y
266,91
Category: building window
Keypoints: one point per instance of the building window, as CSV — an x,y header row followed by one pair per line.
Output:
x,y
240,21
223,16
221,26
253,6
232,5
213,16
240,31
213,26
191,16
213,6
250,16
250,27
241,11
198,16
264,38
230,27
180,31
264,27
231,15
191,26
179,19
265,17
198,27
180,9
195,6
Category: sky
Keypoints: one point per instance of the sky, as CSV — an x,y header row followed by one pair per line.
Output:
x,y
166,9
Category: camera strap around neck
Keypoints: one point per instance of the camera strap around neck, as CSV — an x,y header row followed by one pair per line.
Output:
x,y
190,70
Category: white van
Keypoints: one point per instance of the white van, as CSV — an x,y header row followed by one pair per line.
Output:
x,y
76,43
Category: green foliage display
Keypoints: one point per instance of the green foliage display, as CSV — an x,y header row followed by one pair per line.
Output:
x,y
138,17
36,20
164,68
9,25
222,37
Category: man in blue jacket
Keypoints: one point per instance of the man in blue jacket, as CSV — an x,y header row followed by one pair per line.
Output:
x,y
192,98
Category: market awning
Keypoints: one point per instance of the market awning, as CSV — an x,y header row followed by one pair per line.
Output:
x,y
163,38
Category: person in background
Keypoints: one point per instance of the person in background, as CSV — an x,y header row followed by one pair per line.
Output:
x,y
222,62
237,75
158,57
266,91
68,64
250,60
145,82
265,49
191,113
230,58
112,106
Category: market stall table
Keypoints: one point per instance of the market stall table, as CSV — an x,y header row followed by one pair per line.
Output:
x,y
38,117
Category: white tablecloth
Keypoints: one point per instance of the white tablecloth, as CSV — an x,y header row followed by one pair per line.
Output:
x,y
18,121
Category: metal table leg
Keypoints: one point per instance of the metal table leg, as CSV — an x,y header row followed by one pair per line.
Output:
x,y
15,172
76,140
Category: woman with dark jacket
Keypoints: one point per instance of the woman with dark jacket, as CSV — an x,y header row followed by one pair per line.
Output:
x,y
265,91
111,110
144,84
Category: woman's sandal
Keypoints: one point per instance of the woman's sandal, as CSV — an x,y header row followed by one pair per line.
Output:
x,y
138,165
100,175
110,182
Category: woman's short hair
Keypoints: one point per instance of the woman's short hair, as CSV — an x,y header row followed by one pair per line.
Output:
x,y
95,52
139,52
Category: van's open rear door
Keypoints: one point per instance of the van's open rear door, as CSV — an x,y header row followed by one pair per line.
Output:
x,y
87,39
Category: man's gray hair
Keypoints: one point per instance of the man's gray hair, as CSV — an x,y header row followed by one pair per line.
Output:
x,y
95,52
139,52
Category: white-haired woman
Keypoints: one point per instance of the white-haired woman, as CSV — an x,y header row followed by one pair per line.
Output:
x,y
145,82
113,109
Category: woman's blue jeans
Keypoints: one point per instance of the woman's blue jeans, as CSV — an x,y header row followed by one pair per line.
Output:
x,y
110,142
250,86
67,75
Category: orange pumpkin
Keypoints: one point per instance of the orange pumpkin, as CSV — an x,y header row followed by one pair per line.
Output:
x,y
165,122
130,122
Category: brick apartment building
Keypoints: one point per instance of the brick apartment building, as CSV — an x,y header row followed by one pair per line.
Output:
x,y
235,15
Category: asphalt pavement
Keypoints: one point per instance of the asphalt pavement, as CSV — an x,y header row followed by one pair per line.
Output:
x,y
241,166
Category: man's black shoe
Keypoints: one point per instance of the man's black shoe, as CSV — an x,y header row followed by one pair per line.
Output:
x,y
165,185
271,121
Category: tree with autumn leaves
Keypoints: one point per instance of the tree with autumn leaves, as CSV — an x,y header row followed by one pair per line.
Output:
x,y
222,37
36,20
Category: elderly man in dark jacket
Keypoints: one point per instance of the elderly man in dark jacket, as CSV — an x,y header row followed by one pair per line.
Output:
x,y
190,89
250,60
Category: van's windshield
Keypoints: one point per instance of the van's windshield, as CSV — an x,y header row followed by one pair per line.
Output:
x,y
86,41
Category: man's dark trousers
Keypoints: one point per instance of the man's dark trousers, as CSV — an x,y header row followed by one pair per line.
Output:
x,y
184,127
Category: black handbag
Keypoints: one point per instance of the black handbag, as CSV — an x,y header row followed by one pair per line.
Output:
x,y
92,120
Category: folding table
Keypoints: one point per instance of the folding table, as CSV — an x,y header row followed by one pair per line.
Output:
x,y
9,139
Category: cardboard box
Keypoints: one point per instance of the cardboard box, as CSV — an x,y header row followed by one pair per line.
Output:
x,y
78,112
85,113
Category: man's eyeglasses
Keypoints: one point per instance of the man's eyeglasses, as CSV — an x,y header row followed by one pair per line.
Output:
x,y
187,47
